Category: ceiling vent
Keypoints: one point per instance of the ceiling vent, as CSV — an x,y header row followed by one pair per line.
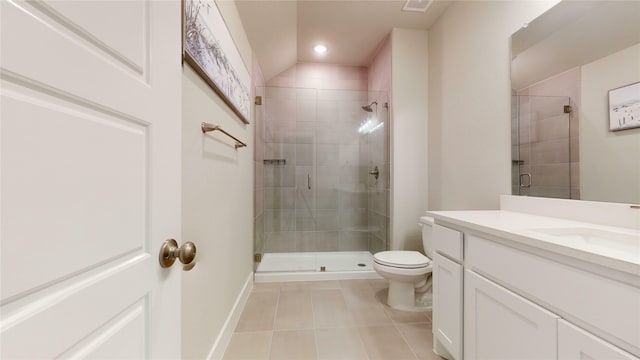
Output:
x,y
416,5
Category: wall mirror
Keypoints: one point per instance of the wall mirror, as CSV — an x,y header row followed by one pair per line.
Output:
x,y
563,65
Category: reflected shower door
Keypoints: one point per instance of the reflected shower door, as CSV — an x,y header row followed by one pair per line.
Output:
x,y
541,150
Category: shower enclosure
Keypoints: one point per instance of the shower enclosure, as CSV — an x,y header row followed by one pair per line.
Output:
x,y
322,179
543,150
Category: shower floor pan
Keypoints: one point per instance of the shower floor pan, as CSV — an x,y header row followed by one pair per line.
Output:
x,y
335,265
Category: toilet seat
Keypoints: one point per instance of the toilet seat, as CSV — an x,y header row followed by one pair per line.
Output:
x,y
402,259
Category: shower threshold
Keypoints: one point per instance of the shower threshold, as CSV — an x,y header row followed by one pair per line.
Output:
x,y
311,266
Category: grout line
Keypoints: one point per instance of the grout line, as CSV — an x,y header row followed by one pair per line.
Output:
x,y
315,334
352,325
275,311
273,332
270,345
395,325
405,341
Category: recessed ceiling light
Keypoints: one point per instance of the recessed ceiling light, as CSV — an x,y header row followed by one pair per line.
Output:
x,y
320,49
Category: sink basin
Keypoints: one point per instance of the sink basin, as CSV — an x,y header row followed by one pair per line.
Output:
x,y
610,239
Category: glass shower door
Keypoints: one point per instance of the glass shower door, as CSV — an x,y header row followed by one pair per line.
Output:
x,y
316,151
541,162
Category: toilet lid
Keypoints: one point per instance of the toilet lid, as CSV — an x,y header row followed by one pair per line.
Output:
x,y
402,259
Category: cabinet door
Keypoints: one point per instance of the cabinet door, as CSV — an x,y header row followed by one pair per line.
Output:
x,y
447,304
502,325
577,344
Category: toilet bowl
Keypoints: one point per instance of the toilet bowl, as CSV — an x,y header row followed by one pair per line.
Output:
x,y
407,271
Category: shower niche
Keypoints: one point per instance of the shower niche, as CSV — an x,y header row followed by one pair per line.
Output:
x,y
319,208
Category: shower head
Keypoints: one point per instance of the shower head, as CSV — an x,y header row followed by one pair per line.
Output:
x,y
368,108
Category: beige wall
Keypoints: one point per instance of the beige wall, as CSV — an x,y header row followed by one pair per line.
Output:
x,y
409,119
217,208
321,76
380,68
469,102
610,166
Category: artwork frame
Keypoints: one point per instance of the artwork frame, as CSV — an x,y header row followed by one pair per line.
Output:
x,y
207,46
624,107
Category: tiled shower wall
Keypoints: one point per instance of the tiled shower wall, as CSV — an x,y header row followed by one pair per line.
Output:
x,y
315,181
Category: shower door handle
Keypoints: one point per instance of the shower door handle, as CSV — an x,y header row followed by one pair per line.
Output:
x,y
522,184
309,181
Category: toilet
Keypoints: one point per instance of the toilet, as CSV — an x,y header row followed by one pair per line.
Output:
x,y
408,273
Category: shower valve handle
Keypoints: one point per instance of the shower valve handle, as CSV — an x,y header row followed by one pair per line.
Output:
x,y
375,172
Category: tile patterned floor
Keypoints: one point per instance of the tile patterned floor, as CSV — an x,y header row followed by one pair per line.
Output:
x,y
328,320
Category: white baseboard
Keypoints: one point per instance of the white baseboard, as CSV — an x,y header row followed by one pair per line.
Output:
x,y
223,339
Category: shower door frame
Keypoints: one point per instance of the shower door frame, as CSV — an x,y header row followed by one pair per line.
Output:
x,y
327,176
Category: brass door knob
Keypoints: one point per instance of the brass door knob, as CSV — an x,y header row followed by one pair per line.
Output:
x,y
169,252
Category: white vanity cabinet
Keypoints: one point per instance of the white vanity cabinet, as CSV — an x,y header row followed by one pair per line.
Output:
x,y
523,302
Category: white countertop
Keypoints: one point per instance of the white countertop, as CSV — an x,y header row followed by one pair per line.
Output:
x,y
621,253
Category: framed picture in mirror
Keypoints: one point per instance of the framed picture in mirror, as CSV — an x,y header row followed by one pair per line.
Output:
x,y
624,107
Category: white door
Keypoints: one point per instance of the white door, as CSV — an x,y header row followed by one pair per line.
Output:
x,y
90,178
499,324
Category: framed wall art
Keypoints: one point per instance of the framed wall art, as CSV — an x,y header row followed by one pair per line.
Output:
x,y
624,107
210,50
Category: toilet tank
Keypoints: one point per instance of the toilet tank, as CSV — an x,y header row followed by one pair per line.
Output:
x,y
426,223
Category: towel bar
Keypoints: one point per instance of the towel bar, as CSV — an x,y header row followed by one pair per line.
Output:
x,y
206,127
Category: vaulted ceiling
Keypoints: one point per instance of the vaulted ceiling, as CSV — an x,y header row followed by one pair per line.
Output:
x,y
283,33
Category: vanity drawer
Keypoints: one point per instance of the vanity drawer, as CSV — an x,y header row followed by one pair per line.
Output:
x,y
601,305
447,241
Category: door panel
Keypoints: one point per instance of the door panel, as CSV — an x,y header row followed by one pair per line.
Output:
x,y
124,337
499,324
90,178
447,304
84,19
48,54
577,344
50,322
62,187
